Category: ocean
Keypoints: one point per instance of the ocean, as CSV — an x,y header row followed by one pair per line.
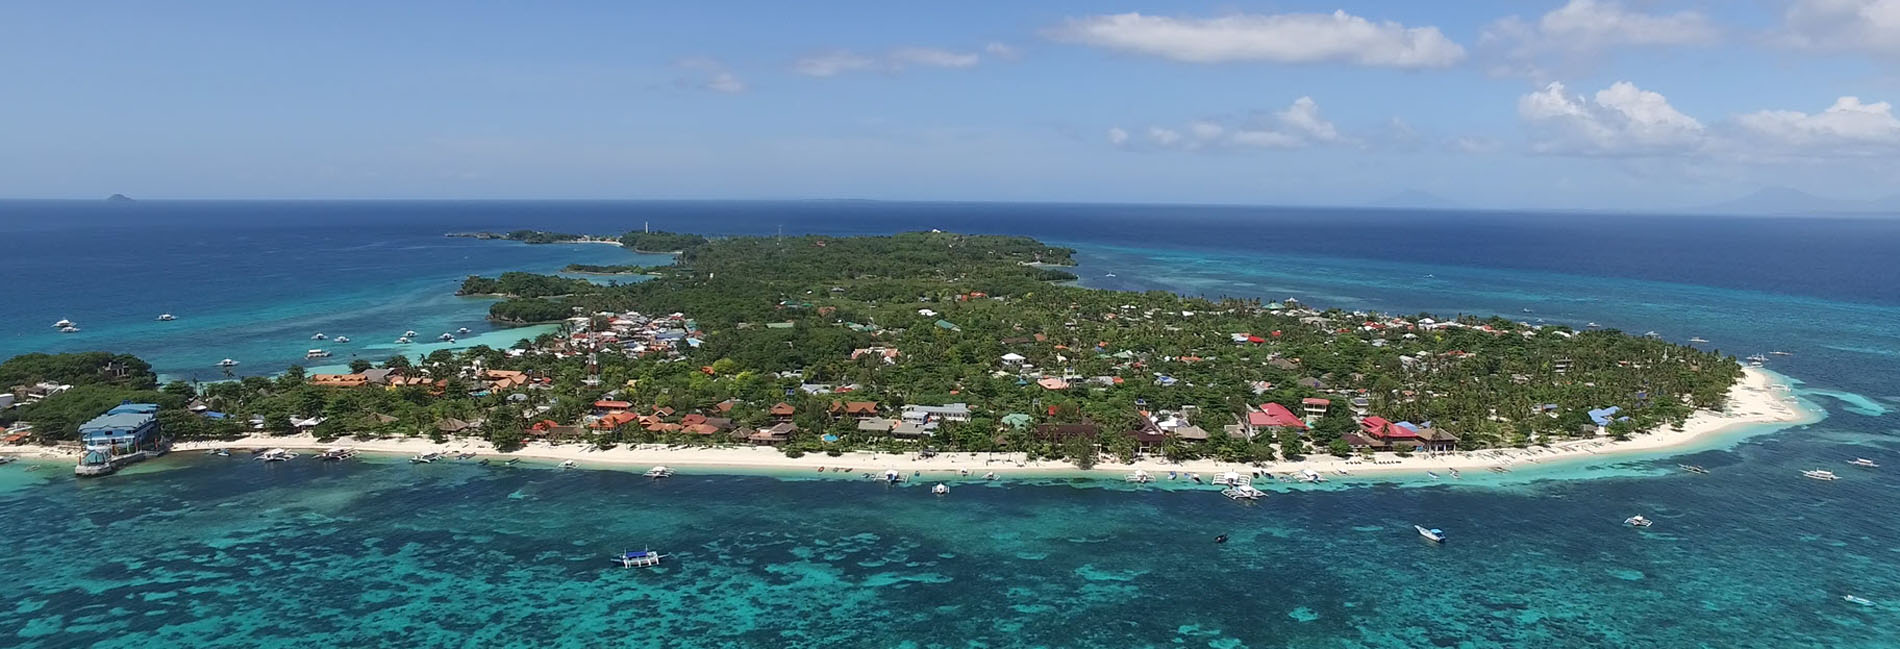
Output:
x,y
204,551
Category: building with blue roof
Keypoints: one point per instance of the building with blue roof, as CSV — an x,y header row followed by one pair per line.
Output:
x,y
1603,416
128,432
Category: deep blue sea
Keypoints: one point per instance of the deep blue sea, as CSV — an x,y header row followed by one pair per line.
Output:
x,y
197,551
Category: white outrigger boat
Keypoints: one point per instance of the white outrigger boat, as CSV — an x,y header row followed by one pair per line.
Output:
x,y
166,317
1856,599
637,559
1310,475
318,336
425,458
1231,479
337,454
1138,476
941,489
568,464
1864,462
62,324
1243,492
1638,521
227,363
410,334
893,476
1818,474
658,472
343,339
1698,339
276,455
316,353
1432,534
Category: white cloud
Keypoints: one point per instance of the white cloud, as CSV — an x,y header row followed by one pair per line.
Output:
x,y
933,57
834,63
1620,120
1870,26
1001,50
1278,38
1849,127
1624,120
1303,116
1573,34
1299,125
709,74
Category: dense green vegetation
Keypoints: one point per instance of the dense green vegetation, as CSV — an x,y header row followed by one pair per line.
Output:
x,y
618,269
661,241
87,368
523,285
953,305
529,311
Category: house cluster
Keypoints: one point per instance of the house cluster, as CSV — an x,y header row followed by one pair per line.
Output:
x,y
615,415
636,334
481,381
1378,434
21,395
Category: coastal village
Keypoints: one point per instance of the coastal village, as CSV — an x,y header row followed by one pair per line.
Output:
x,y
936,342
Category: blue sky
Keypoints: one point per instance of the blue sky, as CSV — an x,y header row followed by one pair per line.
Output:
x,y
1638,104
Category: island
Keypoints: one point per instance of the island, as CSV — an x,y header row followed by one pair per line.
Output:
x,y
615,269
118,198
977,352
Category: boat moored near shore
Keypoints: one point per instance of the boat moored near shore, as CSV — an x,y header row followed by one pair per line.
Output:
x,y
659,472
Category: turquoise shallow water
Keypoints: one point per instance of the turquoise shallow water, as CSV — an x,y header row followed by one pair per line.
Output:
x,y
205,551
196,551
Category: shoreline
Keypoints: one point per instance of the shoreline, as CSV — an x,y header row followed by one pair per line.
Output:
x,y
1760,399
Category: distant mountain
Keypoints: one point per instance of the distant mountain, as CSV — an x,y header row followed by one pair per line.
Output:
x,y
1416,198
119,198
1788,201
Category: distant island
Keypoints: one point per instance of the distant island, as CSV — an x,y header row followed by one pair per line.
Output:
x,y
938,342
119,198
657,242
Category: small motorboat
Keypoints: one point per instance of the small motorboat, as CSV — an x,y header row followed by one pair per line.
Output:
x,y
892,476
404,340
1782,353
941,489
568,464
1863,462
410,334
637,559
484,462
343,339
1818,474
1432,534
318,336
1499,469
62,324
69,329
227,363
989,476
423,459
1138,476
1220,539
447,338
1455,475
166,317
663,472
316,353
463,331
1857,600
1433,475
1638,521
1593,325
1692,468
512,461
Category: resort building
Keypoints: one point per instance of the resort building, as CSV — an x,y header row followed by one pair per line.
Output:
x,y
1378,434
1272,418
125,434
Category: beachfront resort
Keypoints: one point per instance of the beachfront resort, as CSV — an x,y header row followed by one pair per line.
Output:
x,y
928,343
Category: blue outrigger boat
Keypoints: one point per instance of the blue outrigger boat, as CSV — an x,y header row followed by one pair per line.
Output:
x,y
637,559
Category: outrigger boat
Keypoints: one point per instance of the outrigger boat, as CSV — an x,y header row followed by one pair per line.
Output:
x,y
336,454
1818,474
425,458
1138,476
637,559
1857,600
1864,462
663,472
1692,468
1638,521
568,464
1432,534
1310,475
1243,492
941,489
1455,475
275,455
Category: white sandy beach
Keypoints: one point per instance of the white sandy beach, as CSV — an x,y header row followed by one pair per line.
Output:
x,y
1757,399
